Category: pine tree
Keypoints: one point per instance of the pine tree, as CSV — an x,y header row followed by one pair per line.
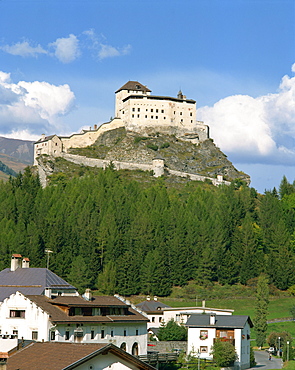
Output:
x,y
261,309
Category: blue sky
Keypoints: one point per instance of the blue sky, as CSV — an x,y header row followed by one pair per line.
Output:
x,y
62,60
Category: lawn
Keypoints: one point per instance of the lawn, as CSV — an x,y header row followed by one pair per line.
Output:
x,y
278,307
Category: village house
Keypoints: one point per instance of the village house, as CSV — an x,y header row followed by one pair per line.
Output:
x,y
27,280
102,319
205,329
68,356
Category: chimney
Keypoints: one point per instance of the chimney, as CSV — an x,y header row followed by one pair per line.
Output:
x,y
47,292
3,363
155,298
25,263
203,303
212,318
95,127
15,262
88,295
148,298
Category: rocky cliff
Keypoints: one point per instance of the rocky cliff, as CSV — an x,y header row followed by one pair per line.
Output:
x,y
179,154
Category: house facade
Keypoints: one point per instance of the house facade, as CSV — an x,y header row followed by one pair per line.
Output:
x,y
205,329
74,319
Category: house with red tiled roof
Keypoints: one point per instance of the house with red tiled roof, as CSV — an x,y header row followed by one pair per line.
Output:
x,y
75,319
68,356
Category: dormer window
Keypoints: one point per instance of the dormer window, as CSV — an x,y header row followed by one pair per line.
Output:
x,y
137,87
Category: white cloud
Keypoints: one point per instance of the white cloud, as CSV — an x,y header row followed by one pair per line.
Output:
x,y
23,49
108,51
32,107
66,49
255,130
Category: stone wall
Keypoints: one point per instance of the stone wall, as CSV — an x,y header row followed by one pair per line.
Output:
x,y
167,346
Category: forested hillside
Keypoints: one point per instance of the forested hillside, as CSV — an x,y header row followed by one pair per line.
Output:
x,y
125,236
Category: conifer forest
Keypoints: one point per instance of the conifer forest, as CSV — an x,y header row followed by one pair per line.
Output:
x,y
119,235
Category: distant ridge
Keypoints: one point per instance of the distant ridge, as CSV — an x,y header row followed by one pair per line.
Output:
x,y
15,155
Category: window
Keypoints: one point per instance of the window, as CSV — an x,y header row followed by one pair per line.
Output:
x,y
180,113
132,115
15,332
92,334
145,116
52,335
203,349
123,346
135,349
203,334
191,114
152,117
138,109
152,110
112,333
156,117
102,333
34,335
17,313
67,336
125,333
160,319
162,111
153,319
133,109
138,116
136,332
157,110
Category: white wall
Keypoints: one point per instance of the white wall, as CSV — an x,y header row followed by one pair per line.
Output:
x,y
117,339
35,318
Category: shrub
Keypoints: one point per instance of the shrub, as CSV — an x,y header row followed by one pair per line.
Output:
x,y
224,353
153,147
137,139
165,145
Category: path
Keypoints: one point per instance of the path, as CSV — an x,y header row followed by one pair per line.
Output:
x,y
263,363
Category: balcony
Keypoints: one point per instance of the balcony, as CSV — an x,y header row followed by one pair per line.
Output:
x,y
224,339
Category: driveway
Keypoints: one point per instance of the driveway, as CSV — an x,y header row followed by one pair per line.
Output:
x,y
263,363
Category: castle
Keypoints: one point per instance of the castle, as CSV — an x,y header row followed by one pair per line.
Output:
x,y
136,111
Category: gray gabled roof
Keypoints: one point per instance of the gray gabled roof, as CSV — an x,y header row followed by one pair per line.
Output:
x,y
221,321
134,86
151,306
30,281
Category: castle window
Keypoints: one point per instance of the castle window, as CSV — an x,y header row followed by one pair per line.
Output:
x,y
138,116
133,109
191,121
145,116
180,113
122,112
156,117
157,110
162,111
132,115
191,114
174,112
138,109
164,117
152,117
152,110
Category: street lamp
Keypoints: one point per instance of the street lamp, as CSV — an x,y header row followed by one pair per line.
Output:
x,y
279,351
48,251
288,350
